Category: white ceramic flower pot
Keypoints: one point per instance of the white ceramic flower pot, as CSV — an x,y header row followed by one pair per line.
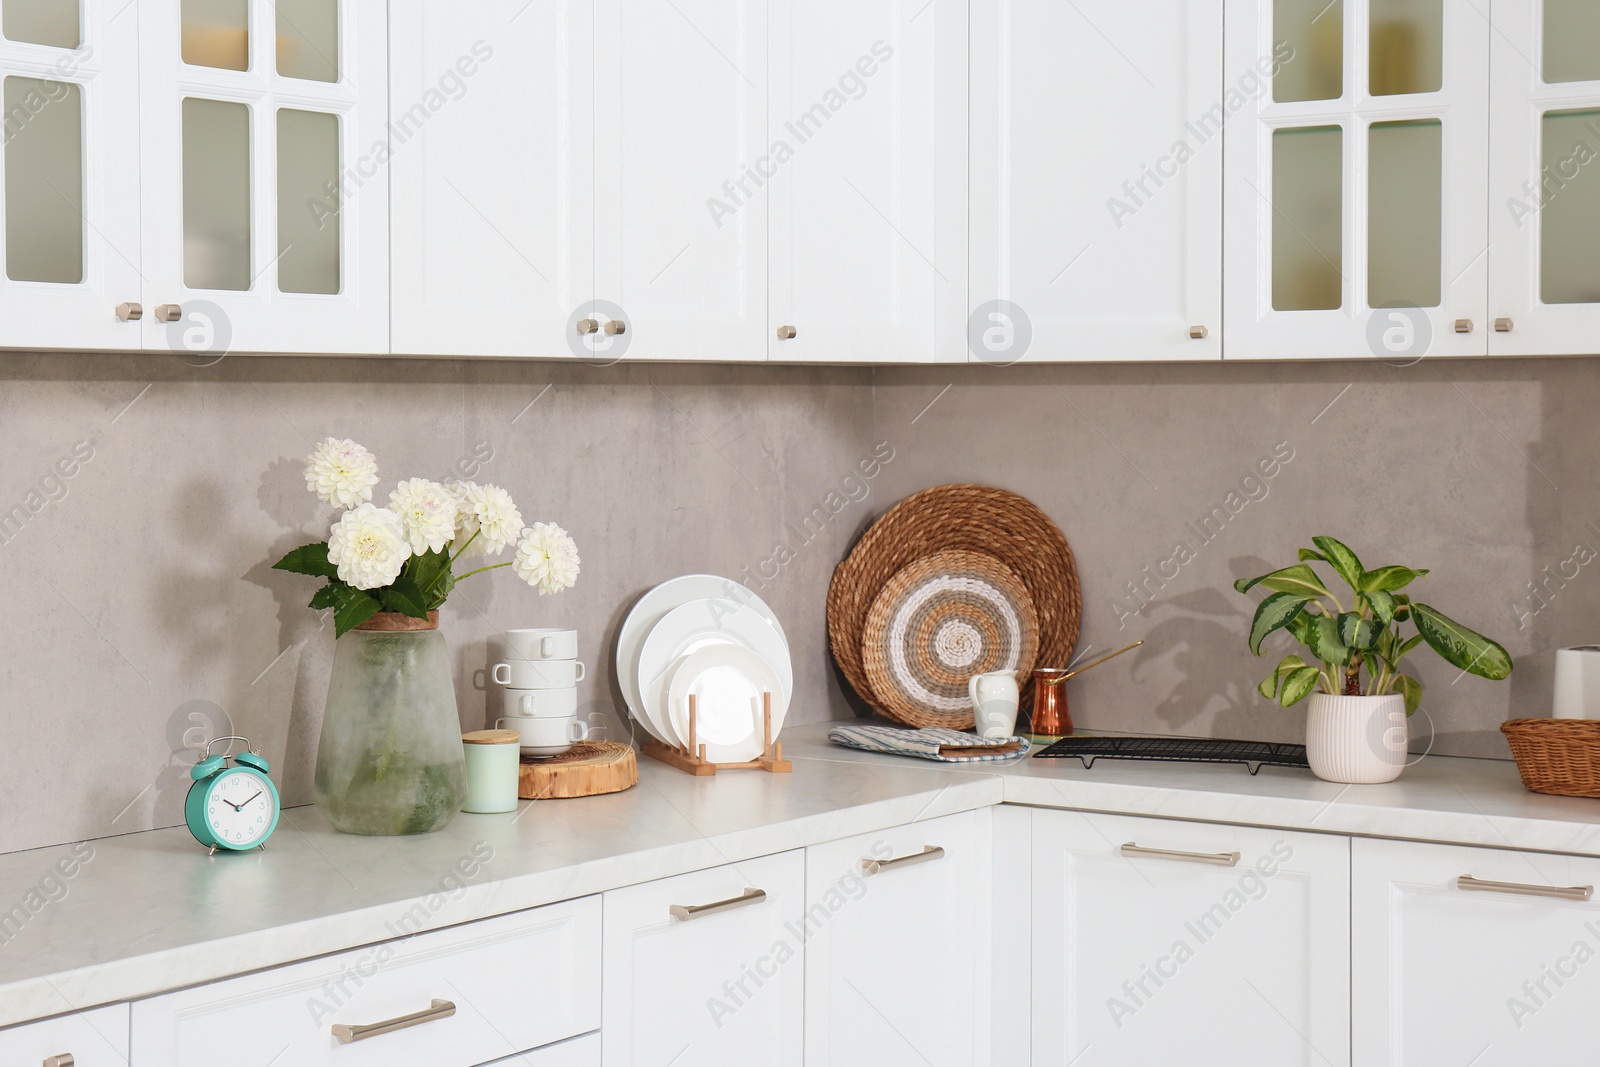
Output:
x,y
1356,740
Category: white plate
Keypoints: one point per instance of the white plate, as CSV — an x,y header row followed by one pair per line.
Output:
x,y
701,624
727,682
649,610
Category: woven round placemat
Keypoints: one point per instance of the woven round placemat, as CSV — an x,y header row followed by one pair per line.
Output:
x,y
974,518
940,620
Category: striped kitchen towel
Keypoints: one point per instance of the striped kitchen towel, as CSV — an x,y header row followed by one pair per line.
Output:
x,y
932,742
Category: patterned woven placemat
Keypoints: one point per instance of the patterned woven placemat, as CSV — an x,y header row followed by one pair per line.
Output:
x,y
975,518
938,621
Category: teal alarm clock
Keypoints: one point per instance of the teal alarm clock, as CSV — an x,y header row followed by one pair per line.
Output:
x,y
231,805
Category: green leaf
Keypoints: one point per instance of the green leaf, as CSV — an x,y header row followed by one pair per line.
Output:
x,y
1269,685
1416,640
1275,612
431,571
1383,604
1358,633
328,596
1298,684
1343,560
1297,579
402,595
1461,647
1411,689
1308,554
308,559
1388,579
1322,637
355,607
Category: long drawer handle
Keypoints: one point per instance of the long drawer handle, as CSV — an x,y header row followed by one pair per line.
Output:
x,y
685,912
1569,892
440,1009
929,852
1216,859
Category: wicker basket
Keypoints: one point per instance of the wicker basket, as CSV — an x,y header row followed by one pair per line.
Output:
x,y
1559,756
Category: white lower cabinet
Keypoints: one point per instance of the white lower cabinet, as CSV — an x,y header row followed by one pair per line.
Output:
x,y
85,1038
514,982
898,936
1449,971
579,1052
707,968
1156,941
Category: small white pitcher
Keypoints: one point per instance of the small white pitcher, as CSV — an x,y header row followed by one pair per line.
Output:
x,y
994,702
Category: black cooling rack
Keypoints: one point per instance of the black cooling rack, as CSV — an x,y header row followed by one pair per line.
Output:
x,y
1253,754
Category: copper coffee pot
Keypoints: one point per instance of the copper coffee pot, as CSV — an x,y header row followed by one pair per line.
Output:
x,y
1050,716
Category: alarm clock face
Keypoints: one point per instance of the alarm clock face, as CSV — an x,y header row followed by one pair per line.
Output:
x,y
241,809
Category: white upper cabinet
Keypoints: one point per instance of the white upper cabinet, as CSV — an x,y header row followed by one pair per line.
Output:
x,y
680,206
492,176
69,188
266,210
864,171
1096,228
1544,206
1357,178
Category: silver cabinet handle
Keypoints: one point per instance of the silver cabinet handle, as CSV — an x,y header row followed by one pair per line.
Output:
x,y
1198,333
588,326
169,312
787,333
1503,325
60,1059
129,311
1569,892
1216,859
929,852
1463,326
616,326
440,1009
685,912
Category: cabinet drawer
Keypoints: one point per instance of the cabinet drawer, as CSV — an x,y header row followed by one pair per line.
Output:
x,y
687,984
579,1052
516,982
1499,975
91,1038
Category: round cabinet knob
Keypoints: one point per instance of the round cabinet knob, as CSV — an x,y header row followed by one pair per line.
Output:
x,y
130,311
616,326
169,312
1463,326
588,326
1502,325
787,333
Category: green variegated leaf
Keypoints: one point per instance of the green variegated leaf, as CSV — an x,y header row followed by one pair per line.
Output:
x,y
1287,665
1388,579
1275,612
1411,689
1298,684
1322,637
1343,560
1383,604
1299,579
1358,633
1461,647
1308,554
1416,639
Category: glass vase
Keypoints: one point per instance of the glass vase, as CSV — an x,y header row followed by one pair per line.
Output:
x,y
389,761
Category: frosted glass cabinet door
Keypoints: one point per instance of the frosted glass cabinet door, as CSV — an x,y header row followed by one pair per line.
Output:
x,y
1356,174
493,197
266,215
69,175
681,125
1096,181
867,156
1544,205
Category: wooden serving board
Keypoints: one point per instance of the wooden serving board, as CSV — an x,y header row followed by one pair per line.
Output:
x,y
588,769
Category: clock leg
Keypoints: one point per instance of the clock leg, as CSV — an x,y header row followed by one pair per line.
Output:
x,y
213,851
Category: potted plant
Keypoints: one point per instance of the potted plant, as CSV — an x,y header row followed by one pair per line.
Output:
x,y
1356,730
389,759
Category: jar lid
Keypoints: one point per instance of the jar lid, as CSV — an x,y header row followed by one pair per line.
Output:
x,y
491,737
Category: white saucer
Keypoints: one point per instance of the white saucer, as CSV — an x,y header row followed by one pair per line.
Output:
x,y
699,624
727,682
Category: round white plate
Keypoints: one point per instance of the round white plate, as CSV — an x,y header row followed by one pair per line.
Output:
x,y
701,624
727,682
648,611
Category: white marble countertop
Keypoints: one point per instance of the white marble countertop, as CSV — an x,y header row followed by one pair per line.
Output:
x,y
150,912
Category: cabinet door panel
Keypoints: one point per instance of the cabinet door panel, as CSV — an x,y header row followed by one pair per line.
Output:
x,y
97,1038
1096,202
895,960
1142,959
681,123
69,184
867,131
494,196
1449,975
722,987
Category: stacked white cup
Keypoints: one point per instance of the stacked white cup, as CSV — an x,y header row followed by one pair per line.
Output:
x,y
541,673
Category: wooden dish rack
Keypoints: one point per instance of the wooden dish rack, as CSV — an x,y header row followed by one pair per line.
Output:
x,y
692,758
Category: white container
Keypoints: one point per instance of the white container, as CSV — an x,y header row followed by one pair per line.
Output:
x,y
539,703
994,703
538,673
493,769
1577,689
541,643
546,737
1356,740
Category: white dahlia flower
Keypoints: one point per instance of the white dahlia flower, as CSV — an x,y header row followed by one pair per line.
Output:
x,y
341,472
427,511
368,546
547,558
489,512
